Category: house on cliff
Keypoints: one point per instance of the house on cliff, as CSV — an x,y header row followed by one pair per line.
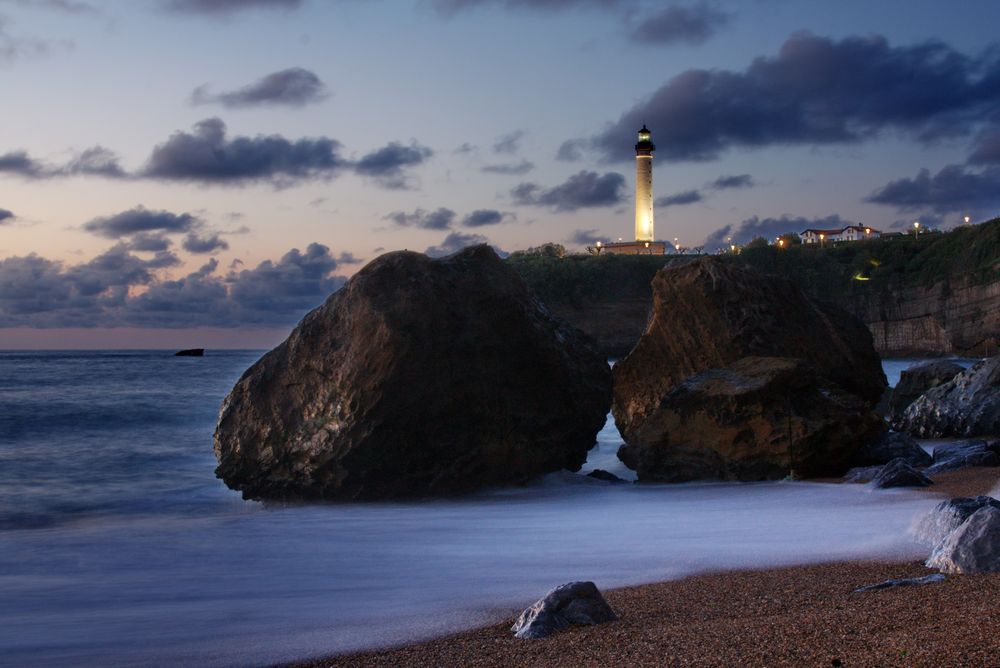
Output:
x,y
849,233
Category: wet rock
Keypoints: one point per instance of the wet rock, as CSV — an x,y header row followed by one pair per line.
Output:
x,y
953,457
573,603
916,380
904,582
892,445
898,473
947,516
419,377
709,313
601,474
760,418
862,474
967,405
974,547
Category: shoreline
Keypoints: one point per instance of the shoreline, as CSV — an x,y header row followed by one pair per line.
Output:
x,y
802,615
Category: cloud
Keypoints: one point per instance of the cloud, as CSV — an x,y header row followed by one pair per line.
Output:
x,y
815,91
482,217
210,244
224,7
570,150
439,219
65,6
6,216
516,168
450,7
139,220
294,87
94,161
769,228
37,292
148,242
455,242
14,47
582,190
208,156
465,148
953,189
587,237
735,181
677,23
509,143
680,199
987,149
387,163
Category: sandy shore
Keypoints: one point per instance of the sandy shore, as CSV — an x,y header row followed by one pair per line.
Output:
x,y
801,616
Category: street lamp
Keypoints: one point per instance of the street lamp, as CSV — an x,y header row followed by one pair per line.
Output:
x,y
781,242
916,228
822,238
966,220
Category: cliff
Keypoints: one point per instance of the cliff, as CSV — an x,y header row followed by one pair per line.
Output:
x,y
938,294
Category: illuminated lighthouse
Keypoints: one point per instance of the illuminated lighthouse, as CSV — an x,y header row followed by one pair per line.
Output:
x,y
644,186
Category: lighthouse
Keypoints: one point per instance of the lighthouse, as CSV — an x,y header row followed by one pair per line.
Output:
x,y
644,186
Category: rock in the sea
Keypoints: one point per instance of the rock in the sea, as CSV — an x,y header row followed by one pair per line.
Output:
x,y
419,377
903,582
974,547
967,405
190,352
892,445
955,456
761,418
607,476
916,380
862,474
947,516
572,603
898,473
710,313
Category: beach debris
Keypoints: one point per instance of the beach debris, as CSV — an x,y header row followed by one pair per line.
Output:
x,y
898,473
572,603
916,380
974,547
607,476
947,516
904,582
892,445
420,377
967,405
955,456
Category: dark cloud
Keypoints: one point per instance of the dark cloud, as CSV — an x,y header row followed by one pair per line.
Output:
x,y
587,237
440,219
815,91
926,220
14,47
6,216
582,190
987,149
677,23
148,242
449,7
509,143
570,150
769,228
208,244
482,217
455,242
21,164
955,188
516,168
680,199
387,163
223,7
208,156
735,181
466,148
139,220
65,6
94,161
294,87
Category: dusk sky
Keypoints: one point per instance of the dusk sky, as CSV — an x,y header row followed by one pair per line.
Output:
x,y
203,172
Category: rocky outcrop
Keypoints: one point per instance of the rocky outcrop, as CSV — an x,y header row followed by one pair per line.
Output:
x,y
947,516
577,603
967,405
955,456
898,473
974,547
757,419
889,446
916,380
419,377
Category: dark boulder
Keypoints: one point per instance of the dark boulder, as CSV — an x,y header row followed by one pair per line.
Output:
x,y
573,603
974,547
955,456
710,313
419,377
606,476
898,473
892,445
916,380
947,516
190,352
967,405
761,418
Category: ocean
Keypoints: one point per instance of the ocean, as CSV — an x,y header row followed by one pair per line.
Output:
x,y
119,547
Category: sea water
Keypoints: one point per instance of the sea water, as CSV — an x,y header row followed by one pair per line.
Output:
x,y
119,547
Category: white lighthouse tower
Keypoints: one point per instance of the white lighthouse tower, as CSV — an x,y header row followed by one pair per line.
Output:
x,y
644,186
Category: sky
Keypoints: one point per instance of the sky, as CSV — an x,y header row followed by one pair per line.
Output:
x,y
179,173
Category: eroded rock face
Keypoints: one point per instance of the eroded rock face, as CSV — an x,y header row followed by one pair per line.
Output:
x,y
955,456
572,603
760,418
708,314
947,516
974,547
419,377
967,405
916,380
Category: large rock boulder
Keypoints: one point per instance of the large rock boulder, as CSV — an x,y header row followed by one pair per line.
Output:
x,y
889,446
898,473
955,456
974,547
947,516
710,313
916,380
419,377
967,405
756,419
572,603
